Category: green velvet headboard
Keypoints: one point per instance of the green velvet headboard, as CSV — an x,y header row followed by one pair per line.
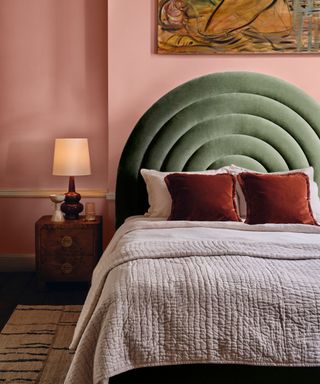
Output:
x,y
249,119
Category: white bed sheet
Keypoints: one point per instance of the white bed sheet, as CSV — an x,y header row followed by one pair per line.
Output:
x,y
160,237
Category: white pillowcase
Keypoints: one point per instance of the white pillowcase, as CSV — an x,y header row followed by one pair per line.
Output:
x,y
314,197
160,200
158,195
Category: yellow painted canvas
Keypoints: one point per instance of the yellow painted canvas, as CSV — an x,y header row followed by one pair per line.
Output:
x,y
238,26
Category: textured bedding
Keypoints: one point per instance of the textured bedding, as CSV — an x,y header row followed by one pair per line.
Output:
x,y
199,292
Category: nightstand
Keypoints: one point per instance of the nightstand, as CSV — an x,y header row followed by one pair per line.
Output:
x,y
67,251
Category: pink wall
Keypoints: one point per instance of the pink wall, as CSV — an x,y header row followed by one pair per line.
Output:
x,y
138,76
53,76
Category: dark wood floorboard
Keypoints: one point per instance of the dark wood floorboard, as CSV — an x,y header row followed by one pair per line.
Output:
x,y
21,288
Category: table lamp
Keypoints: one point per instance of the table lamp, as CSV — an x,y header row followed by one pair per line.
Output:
x,y
71,158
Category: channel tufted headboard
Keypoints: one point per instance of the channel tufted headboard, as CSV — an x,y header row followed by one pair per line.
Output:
x,y
249,119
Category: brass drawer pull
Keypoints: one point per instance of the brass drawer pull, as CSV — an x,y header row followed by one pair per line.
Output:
x,y
66,268
66,241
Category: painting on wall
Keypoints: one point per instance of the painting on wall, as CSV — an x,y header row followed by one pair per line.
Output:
x,y
238,26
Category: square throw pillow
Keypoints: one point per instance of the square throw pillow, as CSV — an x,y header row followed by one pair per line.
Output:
x,y
202,197
278,199
314,197
158,195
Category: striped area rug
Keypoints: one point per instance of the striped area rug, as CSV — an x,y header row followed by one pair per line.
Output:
x,y
34,344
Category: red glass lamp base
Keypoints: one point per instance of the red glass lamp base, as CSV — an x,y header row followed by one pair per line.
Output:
x,y
71,206
71,210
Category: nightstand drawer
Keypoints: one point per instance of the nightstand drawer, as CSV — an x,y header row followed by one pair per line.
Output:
x,y
67,268
67,251
61,242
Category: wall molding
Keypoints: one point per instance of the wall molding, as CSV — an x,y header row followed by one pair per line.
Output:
x,y
111,196
40,193
17,262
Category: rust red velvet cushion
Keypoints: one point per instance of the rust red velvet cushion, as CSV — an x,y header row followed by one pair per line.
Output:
x,y
279,199
202,197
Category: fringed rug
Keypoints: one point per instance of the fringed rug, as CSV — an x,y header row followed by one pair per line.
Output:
x,y
34,344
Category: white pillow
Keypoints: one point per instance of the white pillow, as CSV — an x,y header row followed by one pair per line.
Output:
x,y
158,195
314,197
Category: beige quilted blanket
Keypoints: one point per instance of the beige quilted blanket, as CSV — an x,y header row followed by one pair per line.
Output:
x,y
180,292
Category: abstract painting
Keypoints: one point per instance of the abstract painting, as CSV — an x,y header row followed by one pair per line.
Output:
x,y
238,26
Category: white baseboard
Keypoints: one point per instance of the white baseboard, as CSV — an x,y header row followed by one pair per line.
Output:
x,y
17,262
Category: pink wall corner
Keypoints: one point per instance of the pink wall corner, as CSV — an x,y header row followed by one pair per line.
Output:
x,y
53,72
53,75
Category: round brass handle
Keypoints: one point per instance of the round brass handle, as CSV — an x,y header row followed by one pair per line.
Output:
x,y
66,241
66,268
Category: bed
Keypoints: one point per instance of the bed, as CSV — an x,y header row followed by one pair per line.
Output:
x,y
206,302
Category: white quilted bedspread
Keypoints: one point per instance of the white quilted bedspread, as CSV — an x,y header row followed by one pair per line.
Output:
x,y
197,292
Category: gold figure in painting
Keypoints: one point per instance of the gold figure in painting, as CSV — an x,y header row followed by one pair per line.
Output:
x,y
243,26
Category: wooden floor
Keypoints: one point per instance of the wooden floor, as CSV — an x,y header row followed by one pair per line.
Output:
x,y
21,288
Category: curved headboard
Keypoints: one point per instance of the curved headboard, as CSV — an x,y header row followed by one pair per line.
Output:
x,y
249,119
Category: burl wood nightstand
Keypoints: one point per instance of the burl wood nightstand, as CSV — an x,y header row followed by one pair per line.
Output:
x,y
67,251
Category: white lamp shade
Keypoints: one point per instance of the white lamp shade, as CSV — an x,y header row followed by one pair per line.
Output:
x,y
71,157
